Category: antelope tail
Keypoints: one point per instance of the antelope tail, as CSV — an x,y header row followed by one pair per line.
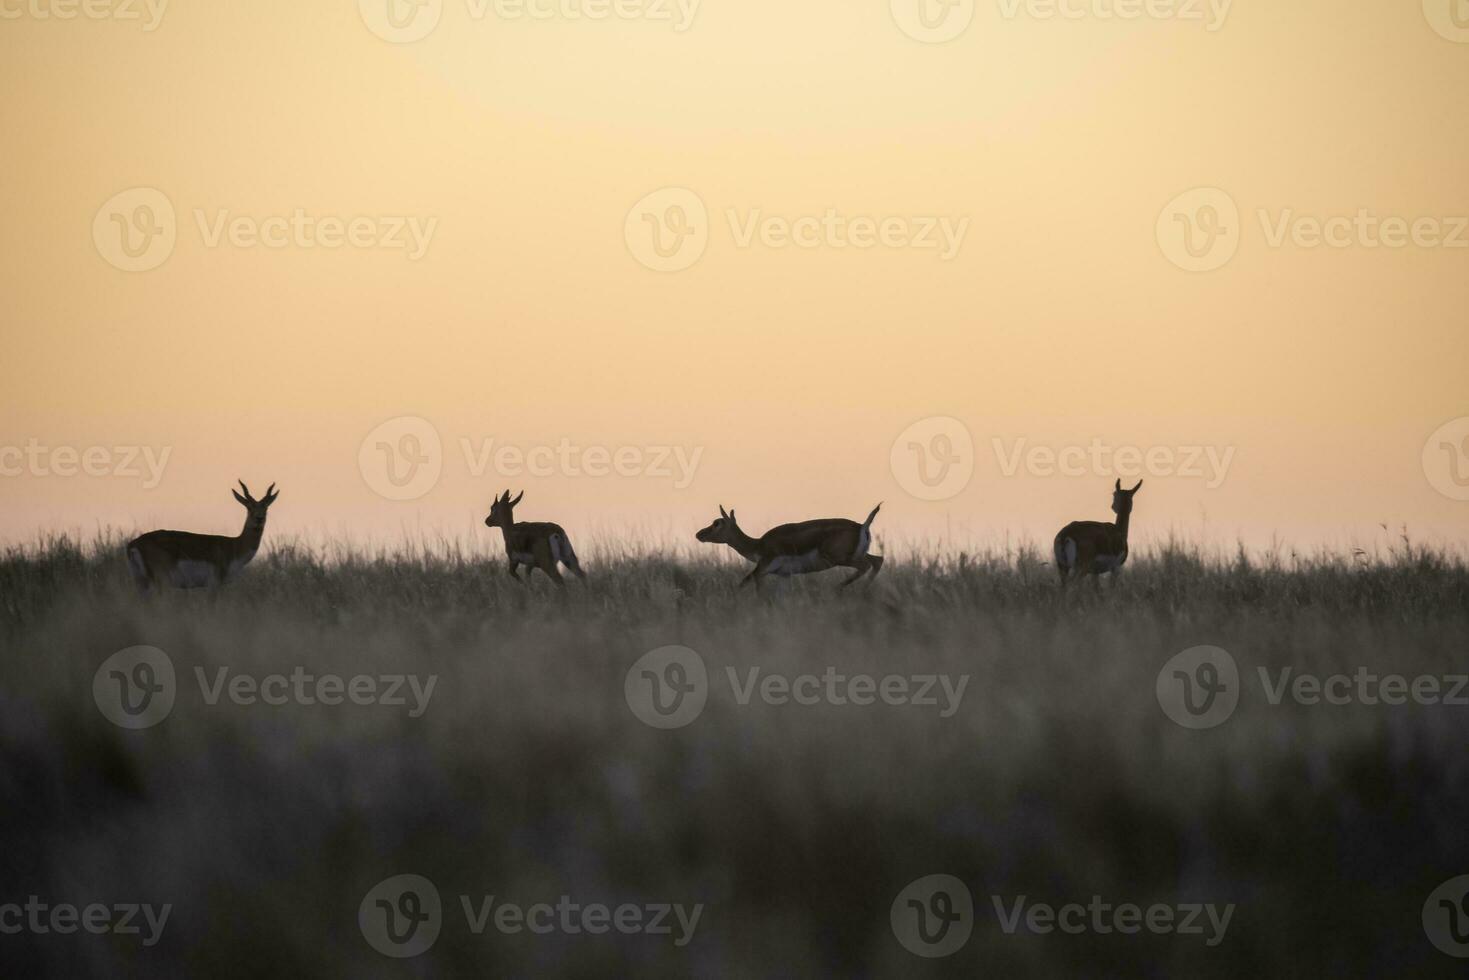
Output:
x,y
868,522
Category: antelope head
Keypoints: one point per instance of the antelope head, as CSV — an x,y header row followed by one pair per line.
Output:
x,y
255,508
1122,499
501,511
724,530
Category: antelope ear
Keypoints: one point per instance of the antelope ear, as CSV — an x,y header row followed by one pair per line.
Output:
x,y
1136,488
241,499
721,511
248,494
732,517
1118,485
517,499
270,495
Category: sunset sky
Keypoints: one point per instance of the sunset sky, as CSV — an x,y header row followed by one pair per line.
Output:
x,y
909,240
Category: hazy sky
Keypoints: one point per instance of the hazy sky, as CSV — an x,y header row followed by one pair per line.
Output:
x,y
794,258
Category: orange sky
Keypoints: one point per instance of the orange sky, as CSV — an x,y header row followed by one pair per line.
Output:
x,y
858,231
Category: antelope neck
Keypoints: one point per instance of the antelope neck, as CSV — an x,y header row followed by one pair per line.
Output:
x,y
747,546
252,532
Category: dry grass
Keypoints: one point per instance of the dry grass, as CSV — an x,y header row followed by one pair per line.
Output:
x,y
796,826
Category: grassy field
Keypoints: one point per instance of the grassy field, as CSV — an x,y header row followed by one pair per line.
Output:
x,y
528,775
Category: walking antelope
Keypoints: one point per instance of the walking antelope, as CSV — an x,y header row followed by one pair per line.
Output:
x,y
540,545
1096,547
795,549
192,561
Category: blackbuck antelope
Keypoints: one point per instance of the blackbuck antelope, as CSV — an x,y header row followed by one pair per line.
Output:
x,y
795,549
538,545
195,561
1096,547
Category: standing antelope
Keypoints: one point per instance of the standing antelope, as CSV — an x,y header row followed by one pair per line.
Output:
x,y
795,549
1096,547
192,561
537,545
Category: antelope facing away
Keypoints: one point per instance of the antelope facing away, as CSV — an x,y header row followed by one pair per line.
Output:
x,y
194,561
1096,547
540,545
795,549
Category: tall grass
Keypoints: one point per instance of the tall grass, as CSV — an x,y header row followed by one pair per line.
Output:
x,y
529,777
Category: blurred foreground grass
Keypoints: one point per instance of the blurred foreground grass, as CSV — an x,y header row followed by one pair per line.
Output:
x,y
528,776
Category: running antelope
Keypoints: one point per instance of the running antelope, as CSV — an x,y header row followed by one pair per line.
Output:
x,y
795,549
537,545
194,561
1096,547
